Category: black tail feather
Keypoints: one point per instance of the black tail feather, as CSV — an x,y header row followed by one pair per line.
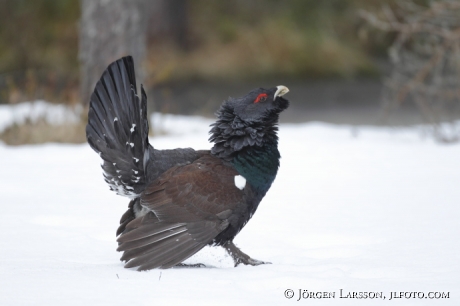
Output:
x,y
118,128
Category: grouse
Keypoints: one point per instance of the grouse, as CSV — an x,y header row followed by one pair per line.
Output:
x,y
183,199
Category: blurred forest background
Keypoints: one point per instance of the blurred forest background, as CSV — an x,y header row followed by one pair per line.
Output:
x,y
223,40
332,54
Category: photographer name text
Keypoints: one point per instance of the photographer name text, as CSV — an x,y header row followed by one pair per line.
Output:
x,y
303,294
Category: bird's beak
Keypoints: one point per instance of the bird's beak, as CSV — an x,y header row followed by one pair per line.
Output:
x,y
280,91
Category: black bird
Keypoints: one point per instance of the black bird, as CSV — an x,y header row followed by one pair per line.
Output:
x,y
182,199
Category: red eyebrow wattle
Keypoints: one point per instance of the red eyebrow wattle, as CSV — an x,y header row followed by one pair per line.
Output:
x,y
262,95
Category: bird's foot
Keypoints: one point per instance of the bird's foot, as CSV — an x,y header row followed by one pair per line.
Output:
x,y
254,262
239,257
183,265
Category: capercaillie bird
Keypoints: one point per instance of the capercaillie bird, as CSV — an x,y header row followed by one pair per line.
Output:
x,y
183,199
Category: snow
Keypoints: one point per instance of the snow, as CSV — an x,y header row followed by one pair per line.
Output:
x,y
376,210
52,113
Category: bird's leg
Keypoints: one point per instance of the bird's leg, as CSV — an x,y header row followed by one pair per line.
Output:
x,y
240,257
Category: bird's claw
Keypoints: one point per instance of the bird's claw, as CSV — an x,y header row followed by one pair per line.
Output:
x,y
239,257
251,261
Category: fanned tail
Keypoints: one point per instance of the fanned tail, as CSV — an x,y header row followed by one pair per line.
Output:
x,y
118,128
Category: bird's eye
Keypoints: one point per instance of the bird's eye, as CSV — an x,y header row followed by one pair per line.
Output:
x,y
261,98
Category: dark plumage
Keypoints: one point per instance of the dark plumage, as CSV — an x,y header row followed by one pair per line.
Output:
x,y
182,199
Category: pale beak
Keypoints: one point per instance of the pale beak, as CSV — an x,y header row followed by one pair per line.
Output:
x,y
280,91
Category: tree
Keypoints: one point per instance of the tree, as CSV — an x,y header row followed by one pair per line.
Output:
x,y
426,61
169,19
108,31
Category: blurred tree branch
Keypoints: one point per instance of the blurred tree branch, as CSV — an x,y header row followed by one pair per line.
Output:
x,y
426,61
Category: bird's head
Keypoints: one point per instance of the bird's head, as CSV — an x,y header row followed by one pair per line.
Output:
x,y
248,121
259,105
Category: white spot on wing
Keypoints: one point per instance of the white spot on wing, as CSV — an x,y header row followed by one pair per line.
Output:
x,y
132,128
240,182
115,119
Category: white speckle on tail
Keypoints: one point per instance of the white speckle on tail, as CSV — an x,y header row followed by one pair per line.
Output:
x,y
132,128
136,159
115,119
240,182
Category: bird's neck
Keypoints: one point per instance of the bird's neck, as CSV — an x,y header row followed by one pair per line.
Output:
x,y
258,165
251,147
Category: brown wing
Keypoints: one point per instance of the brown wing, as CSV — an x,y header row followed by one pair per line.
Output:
x,y
189,206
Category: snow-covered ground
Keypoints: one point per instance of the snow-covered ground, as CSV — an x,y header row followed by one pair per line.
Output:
x,y
376,212
38,110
